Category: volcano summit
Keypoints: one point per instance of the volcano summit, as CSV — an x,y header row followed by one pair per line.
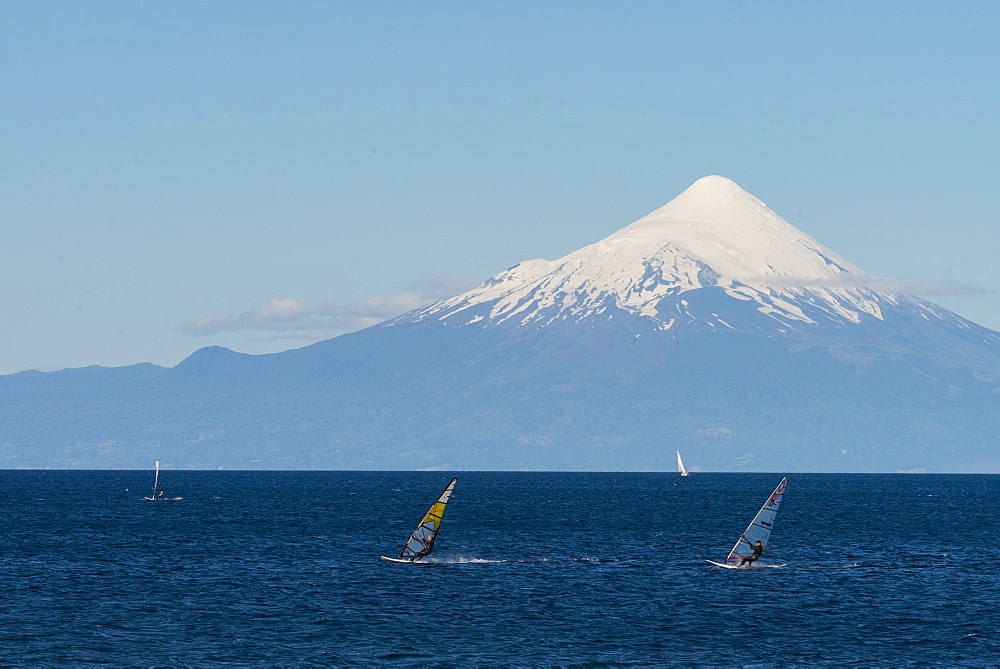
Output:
x,y
717,259
711,326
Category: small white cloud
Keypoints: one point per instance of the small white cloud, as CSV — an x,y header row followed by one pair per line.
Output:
x,y
928,288
948,288
296,320
281,309
881,284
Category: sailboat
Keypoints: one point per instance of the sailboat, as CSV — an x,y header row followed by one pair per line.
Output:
x,y
157,490
421,542
680,465
759,530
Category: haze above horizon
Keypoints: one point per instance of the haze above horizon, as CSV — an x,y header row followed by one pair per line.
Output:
x,y
261,176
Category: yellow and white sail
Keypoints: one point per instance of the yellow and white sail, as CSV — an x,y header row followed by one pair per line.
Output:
x,y
422,539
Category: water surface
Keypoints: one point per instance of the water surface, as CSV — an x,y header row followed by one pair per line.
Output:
x,y
530,568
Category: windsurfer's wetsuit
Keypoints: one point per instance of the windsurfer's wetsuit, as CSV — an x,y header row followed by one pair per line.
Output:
x,y
426,550
757,550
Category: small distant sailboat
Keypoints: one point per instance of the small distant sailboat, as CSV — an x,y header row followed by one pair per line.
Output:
x,y
680,465
157,490
759,530
421,542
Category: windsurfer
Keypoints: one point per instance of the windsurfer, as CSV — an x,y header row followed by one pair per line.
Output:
x,y
757,550
428,543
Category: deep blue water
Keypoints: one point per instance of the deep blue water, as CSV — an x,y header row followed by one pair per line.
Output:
x,y
270,568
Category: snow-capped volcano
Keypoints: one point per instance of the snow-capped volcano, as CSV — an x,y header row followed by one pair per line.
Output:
x,y
710,325
673,265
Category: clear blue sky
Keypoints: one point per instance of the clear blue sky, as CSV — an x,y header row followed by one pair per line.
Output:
x,y
167,170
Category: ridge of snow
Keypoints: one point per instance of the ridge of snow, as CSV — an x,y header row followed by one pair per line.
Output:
x,y
713,235
720,224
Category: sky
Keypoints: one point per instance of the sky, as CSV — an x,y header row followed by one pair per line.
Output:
x,y
263,175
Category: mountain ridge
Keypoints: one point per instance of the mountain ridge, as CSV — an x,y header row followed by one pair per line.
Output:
x,y
714,234
609,358
646,270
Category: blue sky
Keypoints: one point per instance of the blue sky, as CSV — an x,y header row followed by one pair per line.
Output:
x,y
263,175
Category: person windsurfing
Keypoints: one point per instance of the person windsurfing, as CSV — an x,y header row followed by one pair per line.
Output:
x,y
428,543
758,548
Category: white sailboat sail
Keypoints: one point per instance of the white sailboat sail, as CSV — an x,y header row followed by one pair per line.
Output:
x,y
157,490
421,542
680,465
759,529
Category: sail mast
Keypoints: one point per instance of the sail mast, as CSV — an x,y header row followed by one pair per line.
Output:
x,y
156,479
428,527
760,528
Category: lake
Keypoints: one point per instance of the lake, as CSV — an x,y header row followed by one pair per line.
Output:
x,y
269,568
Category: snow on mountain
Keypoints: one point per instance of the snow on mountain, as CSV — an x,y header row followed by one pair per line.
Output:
x,y
675,266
